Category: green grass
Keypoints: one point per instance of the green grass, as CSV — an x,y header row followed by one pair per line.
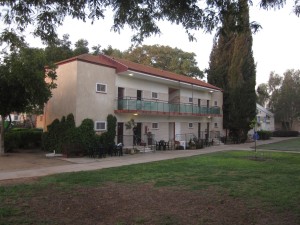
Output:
x,y
274,181
288,145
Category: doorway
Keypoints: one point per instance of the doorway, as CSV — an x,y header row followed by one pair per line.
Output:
x,y
120,133
199,131
137,134
120,97
172,131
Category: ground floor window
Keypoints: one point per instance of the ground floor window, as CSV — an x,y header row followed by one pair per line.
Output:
x,y
100,125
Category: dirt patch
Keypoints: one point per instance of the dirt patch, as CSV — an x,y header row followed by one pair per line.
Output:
x,y
28,159
120,204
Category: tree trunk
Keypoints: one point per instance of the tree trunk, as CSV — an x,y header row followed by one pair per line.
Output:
x,y
2,136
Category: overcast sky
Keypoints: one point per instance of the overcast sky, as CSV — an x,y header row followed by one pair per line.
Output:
x,y
276,47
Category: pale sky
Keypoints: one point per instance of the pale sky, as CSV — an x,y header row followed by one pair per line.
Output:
x,y
276,47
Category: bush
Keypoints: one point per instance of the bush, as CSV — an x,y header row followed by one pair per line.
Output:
x,y
264,135
285,133
63,135
72,150
22,139
57,133
87,134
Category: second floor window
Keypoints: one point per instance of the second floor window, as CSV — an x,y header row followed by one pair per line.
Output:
x,y
101,88
216,103
190,125
190,100
155,95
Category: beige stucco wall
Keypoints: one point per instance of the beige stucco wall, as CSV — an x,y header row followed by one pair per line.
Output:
x,y
63,101
91,104
76,93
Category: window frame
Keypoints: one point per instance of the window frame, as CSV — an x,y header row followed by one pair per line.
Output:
x,y
99,91
98,122
155,128
153,96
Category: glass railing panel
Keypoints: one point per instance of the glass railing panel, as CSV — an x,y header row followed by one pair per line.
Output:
x,y
156,106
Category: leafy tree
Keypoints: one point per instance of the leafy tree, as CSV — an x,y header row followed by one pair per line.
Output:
x,y
113,52
139,15
165,58
162,57
59,50
285,101
232,68
262,94
22,83
96,49
81,47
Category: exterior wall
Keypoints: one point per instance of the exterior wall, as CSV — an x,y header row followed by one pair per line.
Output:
x,y
131,86
76,93
264,123
265,119
182,95
39,123
63,101
89,103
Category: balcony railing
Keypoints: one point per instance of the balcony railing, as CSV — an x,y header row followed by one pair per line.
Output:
x,y
130,104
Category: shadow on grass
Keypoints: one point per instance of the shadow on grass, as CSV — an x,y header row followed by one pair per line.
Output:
x,y
287,145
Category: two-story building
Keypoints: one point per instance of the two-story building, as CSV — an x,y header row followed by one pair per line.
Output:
x,y
264,118
163,104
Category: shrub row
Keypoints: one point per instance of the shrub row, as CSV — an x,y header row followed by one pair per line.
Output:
x,y
285,133
63,137
264,135
22,139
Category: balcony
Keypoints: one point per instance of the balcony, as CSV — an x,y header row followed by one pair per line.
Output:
x,y
144,106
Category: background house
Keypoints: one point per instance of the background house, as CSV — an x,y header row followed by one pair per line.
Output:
x,y
164,105
265,119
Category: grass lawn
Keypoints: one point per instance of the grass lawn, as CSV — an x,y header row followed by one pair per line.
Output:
x,y
288,145
220,188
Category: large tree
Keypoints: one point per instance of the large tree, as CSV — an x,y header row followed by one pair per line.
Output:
x,y
140,15
232,68
163,57
24,85
285,100
81,47
262,93
59,50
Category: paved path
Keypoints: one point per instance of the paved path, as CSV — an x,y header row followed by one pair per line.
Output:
x,y
86,164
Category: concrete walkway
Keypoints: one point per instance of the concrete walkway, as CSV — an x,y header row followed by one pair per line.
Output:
x,y
86,164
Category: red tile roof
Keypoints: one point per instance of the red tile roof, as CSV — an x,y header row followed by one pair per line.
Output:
x,y
122,65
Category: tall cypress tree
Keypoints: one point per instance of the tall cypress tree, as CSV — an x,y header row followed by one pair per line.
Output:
x,y
232,68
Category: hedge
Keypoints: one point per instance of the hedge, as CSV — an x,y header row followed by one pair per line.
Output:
x,y
22,139
264,135
285,133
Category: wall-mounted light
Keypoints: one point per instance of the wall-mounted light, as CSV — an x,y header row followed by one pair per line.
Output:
x,y
131,74
135,114
208,117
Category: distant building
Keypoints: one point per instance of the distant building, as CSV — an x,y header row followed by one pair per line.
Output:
x,y
265,119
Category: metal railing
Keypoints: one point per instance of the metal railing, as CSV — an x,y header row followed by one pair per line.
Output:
x,y
133,104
